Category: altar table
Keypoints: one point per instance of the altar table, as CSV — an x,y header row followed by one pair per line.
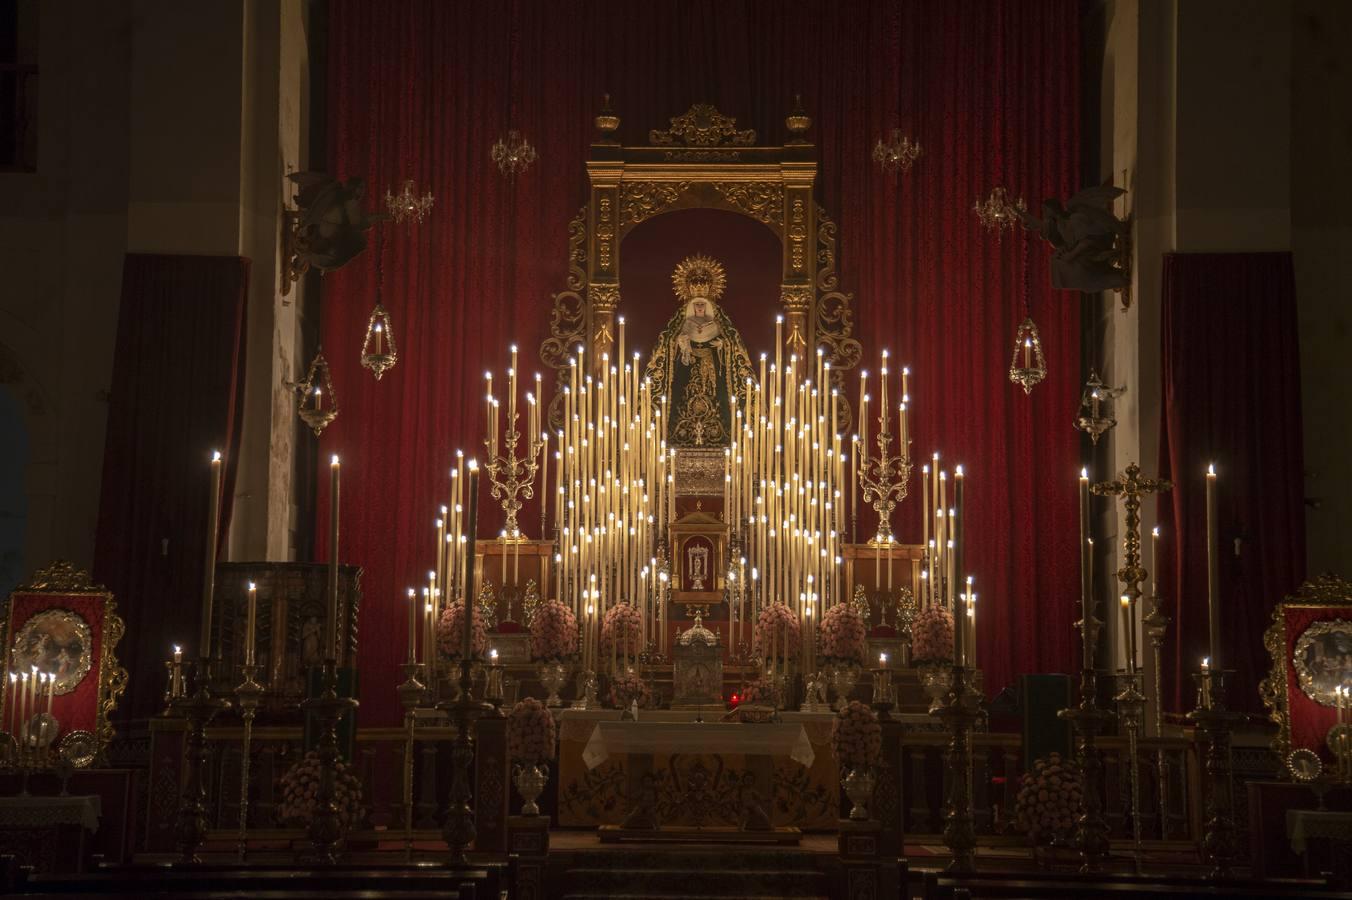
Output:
x,y
48,833
697,737
1306,825
602,762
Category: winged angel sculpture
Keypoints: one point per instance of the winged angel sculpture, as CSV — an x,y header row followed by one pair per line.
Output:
x,y
1086,239
330,224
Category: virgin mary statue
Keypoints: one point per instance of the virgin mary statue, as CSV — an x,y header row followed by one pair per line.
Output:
x,y
700,362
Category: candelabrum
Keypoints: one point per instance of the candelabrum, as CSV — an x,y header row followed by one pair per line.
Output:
x,y
1087,720
199,708
1214,722
248,694
959,711
1156,625
884,479
326,830
458,823
512,476
411,694
1130,714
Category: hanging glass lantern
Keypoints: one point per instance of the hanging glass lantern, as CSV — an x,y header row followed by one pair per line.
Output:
x,y
378,352
318,402
1096,407
1028,365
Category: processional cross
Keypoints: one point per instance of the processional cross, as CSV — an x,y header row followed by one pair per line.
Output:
x,y
1130,486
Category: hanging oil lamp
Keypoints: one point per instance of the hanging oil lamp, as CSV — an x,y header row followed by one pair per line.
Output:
x,y
378,350
318,402
1028,366
1095,416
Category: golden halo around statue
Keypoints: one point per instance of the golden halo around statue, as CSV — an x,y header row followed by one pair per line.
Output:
x,y
699,276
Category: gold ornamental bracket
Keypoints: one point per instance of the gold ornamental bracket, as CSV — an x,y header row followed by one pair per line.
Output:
x,y
702,161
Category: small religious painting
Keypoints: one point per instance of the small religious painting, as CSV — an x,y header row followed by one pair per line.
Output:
x,y
55,641
1322,657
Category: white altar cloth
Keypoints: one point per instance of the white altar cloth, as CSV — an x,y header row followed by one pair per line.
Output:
x,y
38,812
697,737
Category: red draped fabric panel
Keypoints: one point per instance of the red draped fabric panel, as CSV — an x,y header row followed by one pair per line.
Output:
x,y
177,393
990,88
1232,398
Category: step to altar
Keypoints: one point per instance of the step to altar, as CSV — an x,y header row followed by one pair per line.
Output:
x,y
711,873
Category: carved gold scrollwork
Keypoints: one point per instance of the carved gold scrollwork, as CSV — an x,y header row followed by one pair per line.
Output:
x,y
702,126
835,318
605,234
640,200
762,200
62,577
568,321
797,233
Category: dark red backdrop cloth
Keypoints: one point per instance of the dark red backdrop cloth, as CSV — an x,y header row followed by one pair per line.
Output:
x,y
990,88
1231,397
177,394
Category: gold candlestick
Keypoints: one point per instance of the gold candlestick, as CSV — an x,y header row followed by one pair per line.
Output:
x,y
883,477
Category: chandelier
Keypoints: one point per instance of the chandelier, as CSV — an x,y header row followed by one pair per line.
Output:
x,y
898,155
1028,365
1095,411
407,205
998,212
513,154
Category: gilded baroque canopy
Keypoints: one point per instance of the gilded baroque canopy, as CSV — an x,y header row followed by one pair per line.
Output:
x,y
703,160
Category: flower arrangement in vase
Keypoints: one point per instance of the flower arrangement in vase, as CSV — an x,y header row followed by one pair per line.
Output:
x,y
300,790
857,745
553,645
627,688
843,635
777,636
932,636
553,633
1049,800
451,633
621,632
530,742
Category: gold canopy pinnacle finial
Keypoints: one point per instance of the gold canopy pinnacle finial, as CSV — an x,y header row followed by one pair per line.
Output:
x,y
699,276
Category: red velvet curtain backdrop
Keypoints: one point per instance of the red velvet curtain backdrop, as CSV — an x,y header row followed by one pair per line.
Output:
x,y
1231,397
177,392
990,88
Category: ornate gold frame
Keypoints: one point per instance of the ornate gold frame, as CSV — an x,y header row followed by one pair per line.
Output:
x,y
1325,592
62,579
702,161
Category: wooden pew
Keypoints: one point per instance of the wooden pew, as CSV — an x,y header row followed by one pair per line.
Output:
x,y
1017,886
487,882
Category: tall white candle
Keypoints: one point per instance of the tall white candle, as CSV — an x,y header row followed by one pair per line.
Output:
x,y
1213,569
209,574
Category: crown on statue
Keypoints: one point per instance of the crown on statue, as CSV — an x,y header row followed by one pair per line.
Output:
x,y
699,276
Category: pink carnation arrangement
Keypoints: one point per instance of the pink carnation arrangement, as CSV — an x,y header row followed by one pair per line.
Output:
x,y
760,693
1049,800
451,633
300,790
856,736
623,626
932,635
530,732
627,688
777,620
843,632
553,633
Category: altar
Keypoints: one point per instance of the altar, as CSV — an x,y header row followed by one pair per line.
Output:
x,y
700,768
